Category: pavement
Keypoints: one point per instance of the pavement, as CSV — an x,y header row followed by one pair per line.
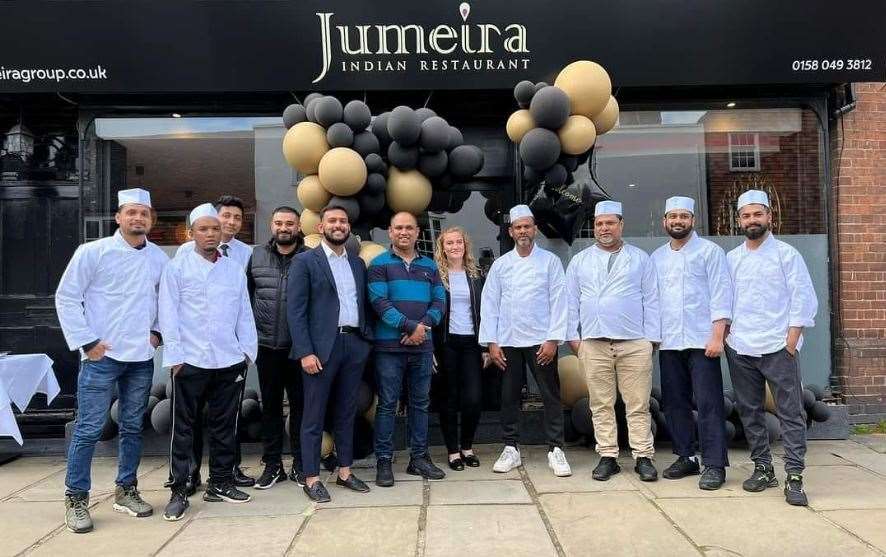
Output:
x,y
475,512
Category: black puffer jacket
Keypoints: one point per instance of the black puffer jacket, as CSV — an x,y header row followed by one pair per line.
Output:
x,y
267,273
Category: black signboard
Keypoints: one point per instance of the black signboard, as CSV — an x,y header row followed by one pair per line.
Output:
x,y
280,45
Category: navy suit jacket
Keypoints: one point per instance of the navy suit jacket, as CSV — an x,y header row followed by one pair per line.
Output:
x,y
312,304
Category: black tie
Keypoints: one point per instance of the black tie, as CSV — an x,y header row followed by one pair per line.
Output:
x,y
224,249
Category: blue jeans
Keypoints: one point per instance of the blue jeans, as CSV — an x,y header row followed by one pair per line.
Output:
x,y
390,370
95,386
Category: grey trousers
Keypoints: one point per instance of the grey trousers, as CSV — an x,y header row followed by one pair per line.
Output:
x,y
782,372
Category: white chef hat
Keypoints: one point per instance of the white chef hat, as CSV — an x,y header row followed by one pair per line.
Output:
x,y
134,195
519,212
607,208
680,202
205,210
752,196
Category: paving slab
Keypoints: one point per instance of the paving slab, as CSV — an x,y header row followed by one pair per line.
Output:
x,y
610,523
479,492
24,523
116,533
403,494
844,487
582,461
388,532
763,527
248,536
866,524
871,460
877,442
513,530
22,472
487,454
104,472
688,487
283,499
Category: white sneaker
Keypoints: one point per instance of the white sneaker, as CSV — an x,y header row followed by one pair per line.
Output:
x,y
557,463
509,459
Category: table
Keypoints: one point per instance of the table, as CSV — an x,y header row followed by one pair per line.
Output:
x,y
21,376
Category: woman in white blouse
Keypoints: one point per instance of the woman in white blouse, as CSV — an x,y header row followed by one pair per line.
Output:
x,y
457,352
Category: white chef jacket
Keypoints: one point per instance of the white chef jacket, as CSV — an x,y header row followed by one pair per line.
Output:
x,y
621,303
524,300
205,315
237,250
108,292
694,290
773,291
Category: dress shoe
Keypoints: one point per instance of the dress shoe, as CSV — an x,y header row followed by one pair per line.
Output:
x,y
605,469
241,479
645,469
384,476
682,467
470,460
712,479
422,466
353,483
457,464
317,492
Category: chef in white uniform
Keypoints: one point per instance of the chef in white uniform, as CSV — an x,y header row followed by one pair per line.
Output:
x,y
695,293
523,321
210,336
107,308
613,323
774,300
231,215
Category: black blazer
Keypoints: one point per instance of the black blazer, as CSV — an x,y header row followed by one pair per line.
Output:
x,y
312,304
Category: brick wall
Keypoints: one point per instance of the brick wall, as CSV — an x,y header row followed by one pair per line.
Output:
x,y
858,151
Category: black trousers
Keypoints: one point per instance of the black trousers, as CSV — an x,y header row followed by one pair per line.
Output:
x,y
197,457
278,374
339,380
684,372
222,389
461,370
511,385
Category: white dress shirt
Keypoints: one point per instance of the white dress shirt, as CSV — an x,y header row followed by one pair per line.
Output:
x,y
108,292
694,290
345,287
205,314
460,321
524,300
237,250
617,303
773,292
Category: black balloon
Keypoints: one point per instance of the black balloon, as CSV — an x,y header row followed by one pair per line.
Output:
x,y
424,113
158,390
433,165
311,109
380,128
455,138
581,417
370,202
376,183
374,163
364,397
440,201
523,92
294,114
820,412
583,158
328,111
357,115
339,135
404,158
531,176
311,97
465,161
550,108
555,176
434,134
569,162
250,410
539,86
540,148
492,208
404,126
366,143
349,204
444,182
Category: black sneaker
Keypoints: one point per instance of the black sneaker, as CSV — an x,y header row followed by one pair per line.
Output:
x,y
606,468
225,492
178,504
192,484
273,473
763,477
241,479
645,469
422,466
682,467
712,479
793,491
296,475
384,476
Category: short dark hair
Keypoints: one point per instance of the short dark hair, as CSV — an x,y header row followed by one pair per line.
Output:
x,y
229,201
285,209
328,208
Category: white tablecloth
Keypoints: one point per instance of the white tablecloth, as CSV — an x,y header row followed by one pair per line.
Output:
x,y
21,376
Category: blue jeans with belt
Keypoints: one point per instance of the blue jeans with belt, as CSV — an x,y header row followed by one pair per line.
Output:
x,y
390,370
95,386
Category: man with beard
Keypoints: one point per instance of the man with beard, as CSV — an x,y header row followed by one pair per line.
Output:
x,y
408,296
331,337
209,339
613,328
107,308
773,301
695,294
523,321
267,275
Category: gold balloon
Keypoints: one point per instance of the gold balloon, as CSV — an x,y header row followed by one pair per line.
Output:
x,y
518,124
342,171
607,118
311,193
326,445
369,251
408,191
573,385
304,145
769,401
588,86
577,135
308,222
313,240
